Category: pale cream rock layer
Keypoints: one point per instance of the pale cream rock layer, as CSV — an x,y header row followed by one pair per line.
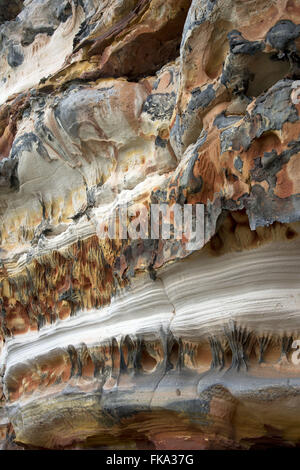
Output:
x,y
193,299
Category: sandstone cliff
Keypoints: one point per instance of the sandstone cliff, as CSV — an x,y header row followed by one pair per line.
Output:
x,y
124,343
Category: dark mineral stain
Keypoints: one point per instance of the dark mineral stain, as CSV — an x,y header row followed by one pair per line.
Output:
x,y
64,11
272,109
29,34
267,166
160,105
26,142
9,173
201,98
282,35
15,56
238,163
222,121
239,45
161,142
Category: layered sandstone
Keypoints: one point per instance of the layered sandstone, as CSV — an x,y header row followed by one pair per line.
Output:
x,y
147,343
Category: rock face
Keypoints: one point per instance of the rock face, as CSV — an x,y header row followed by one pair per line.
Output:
x,y
149,341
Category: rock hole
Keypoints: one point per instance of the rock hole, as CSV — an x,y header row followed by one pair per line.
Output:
x,y
151,50
88,368
214,57
290,234
115,355
272,353
253,356
148,362
174,355
267,71
228,358
125,353
203,357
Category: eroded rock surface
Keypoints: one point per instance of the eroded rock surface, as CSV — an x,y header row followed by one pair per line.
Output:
x,y
147,343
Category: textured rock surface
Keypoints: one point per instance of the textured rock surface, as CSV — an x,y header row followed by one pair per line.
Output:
x,y
104,343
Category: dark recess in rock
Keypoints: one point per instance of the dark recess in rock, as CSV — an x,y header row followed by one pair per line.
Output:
x,y
10,9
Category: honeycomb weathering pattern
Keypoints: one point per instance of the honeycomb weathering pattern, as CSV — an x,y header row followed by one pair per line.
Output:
x,y
105,342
